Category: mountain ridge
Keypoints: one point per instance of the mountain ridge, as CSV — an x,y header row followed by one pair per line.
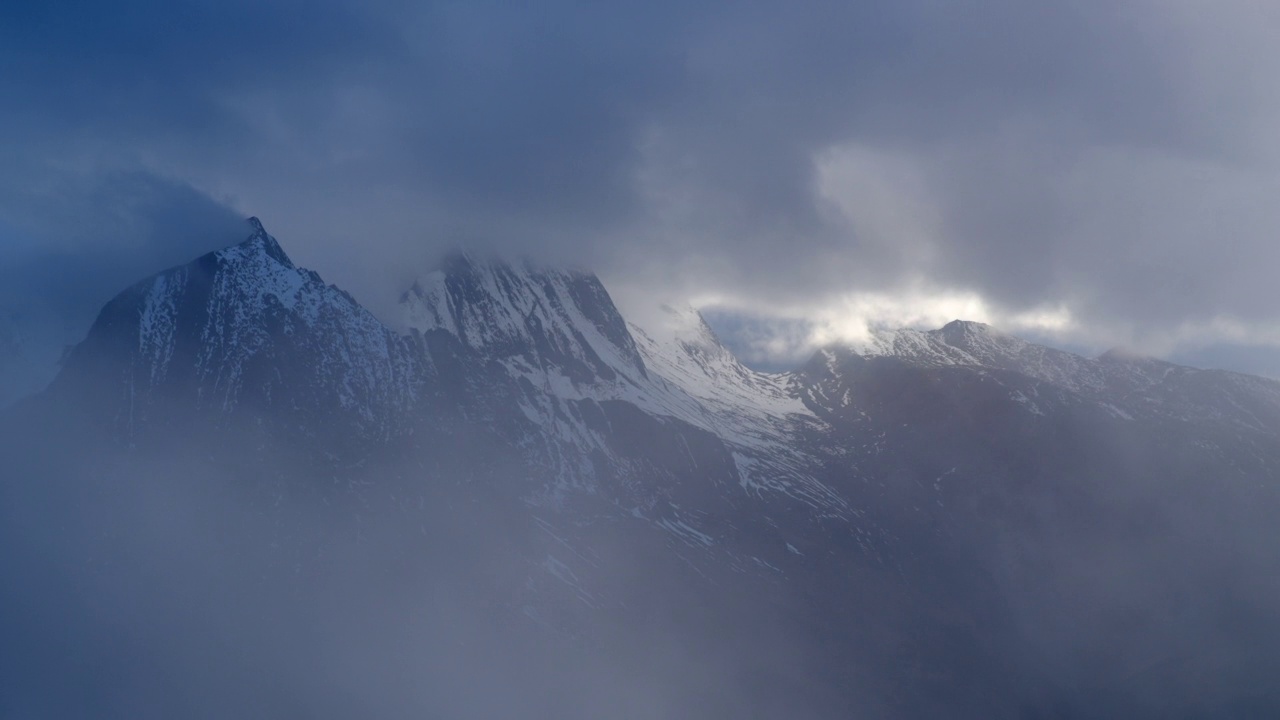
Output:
x,y
917,519
559,332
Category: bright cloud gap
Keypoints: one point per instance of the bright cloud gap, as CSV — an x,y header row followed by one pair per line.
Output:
x,y
786,336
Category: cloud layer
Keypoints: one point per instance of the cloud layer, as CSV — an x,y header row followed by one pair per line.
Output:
x,y
1113,163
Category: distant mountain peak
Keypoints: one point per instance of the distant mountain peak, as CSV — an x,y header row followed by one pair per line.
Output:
x,y
986,343
260,241
969,327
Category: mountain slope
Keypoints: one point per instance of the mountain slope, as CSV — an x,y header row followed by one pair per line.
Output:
x,y
1127,385
244,331
533,318
621,520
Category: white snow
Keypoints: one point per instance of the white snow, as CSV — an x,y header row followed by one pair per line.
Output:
x,y
255,292
677,369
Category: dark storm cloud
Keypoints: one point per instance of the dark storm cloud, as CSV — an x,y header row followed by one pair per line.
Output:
x,y
121,70
1087,154
70,241
67,248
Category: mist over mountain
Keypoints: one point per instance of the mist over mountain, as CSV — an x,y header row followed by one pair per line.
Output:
x,y
245,495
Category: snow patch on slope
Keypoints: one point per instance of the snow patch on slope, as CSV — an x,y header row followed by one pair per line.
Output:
x,y
756,414
1123,385
558,327
229,308
560,333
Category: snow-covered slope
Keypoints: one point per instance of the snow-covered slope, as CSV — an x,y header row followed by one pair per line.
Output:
x,y
560,324
559,333
963,342
1128,385
243,329
757,414
683,350
536,349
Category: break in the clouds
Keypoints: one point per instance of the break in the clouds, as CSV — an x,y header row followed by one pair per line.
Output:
x,y
1096,172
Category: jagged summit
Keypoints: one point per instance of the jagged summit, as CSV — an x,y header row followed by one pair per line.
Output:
x,y
244,328
968,343
519,312
260,241
959,342
972,325
985,343
922,346
958,329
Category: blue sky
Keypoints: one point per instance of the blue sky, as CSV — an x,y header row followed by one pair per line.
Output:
x,y
1092,173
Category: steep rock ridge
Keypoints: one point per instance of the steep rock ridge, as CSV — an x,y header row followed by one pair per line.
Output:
x,y
1176,393
918,346
559,342
1126,385
242,330
963,342
993,348
540,355
534,320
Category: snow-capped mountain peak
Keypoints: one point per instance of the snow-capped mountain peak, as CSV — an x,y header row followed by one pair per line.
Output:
x,y
535,319
1123,383
975,344
214,334
972,335
261,242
